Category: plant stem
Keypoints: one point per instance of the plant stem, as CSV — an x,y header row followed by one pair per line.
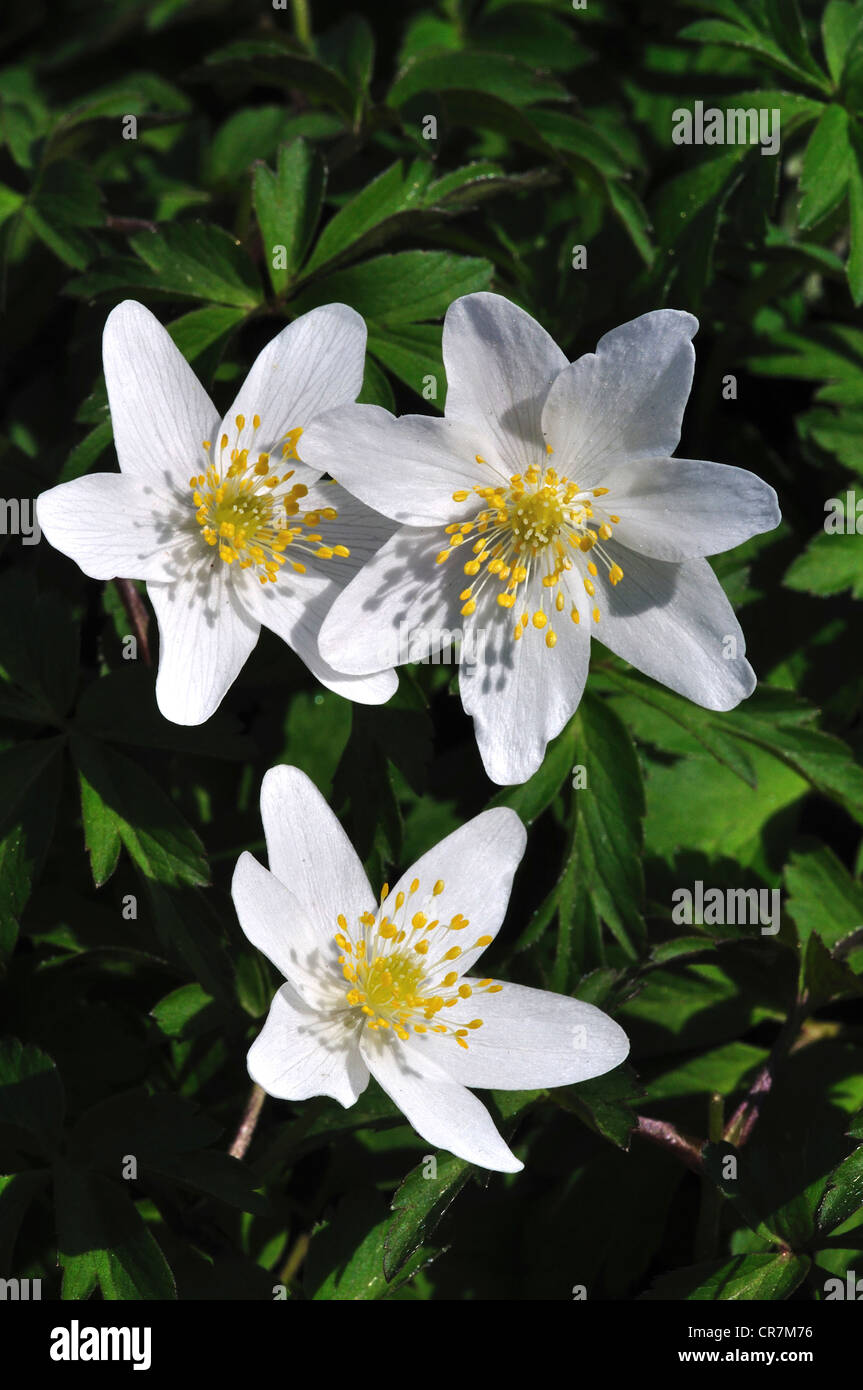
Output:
x,y
138,616
742,1122
667,1137
243,1136
710,1205
302,21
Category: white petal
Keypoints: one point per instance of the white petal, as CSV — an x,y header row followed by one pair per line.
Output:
x,y
522,693
677,509
674,623
624,401
310,853
205,638
400,606
113,526
529,1038
407,468
314,364
500,365
441,1110
274,921
475,864
297,604
160,412
299,1054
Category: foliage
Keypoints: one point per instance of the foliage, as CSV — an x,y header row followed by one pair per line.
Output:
x,y
128,994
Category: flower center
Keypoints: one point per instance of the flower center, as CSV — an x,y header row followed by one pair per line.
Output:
x,y
244,507
399,972
539,526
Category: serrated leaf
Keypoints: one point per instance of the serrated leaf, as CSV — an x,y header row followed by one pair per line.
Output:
x,y
403,288
492,73
32,1101
102,1240
822,896
288,205
766,1278
200,261
843,1193
824,176
121,801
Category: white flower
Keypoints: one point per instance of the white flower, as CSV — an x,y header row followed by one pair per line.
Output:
x,y
229,529
384,988
544,506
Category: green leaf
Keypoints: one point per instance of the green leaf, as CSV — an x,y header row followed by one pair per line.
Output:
x,y
349,49
723,1069
345,1262
718,31
609,820
10,202
32,1102
102,1240
766,1278
402,288
40,656
17,1191
824,176
606,1104
420,1202
825,975
186,1012
492,73
198,260
830,564
686,214
412,352
824,761
703,725
30,782
288,205
85,454
854,267
392,192
269,63
189,933
194,333
841,27
119,801
843,1193
169,1139
426,1193
822,896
